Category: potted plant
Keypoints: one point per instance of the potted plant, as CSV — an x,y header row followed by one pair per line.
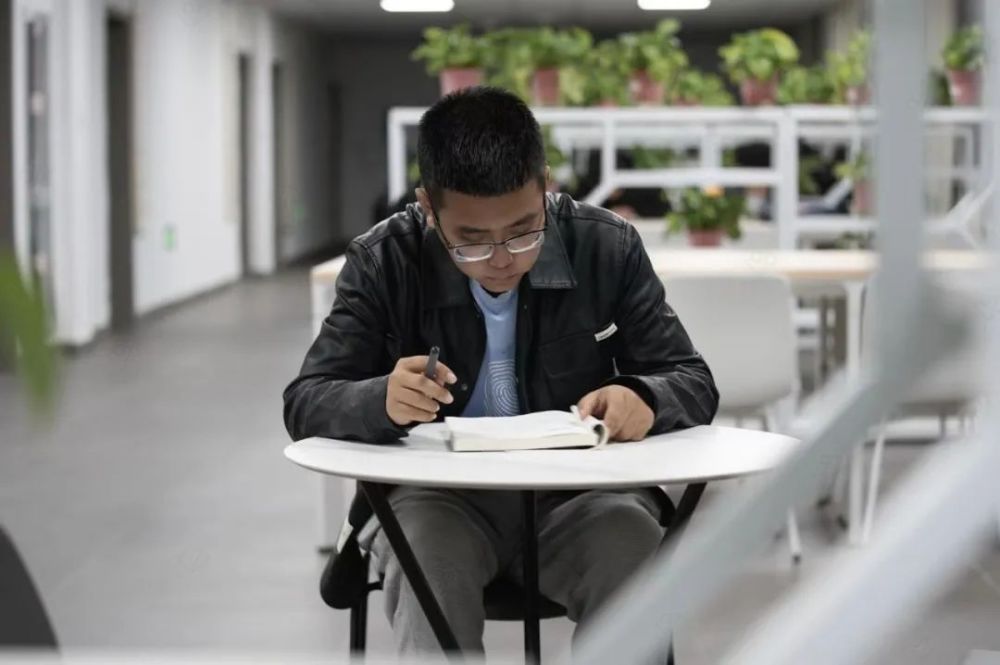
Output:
x,y
652,158
454,55
24,343
858,171
849,70
696,88
806,85
508,60
963,58
707,214
654,59
755,61
809,165
600,79
549,50
556,160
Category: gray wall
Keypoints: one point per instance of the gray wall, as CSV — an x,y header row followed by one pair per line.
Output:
x,y
373,76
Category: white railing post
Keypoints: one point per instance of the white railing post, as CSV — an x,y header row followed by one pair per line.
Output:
x,y
396,153
786,194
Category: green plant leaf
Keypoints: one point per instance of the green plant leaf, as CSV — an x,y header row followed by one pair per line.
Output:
x,y
24,335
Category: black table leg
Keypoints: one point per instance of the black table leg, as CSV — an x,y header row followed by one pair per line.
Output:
x,y
529,554
685,508
375,493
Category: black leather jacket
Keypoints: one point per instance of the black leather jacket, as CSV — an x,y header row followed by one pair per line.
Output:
x,y
591,313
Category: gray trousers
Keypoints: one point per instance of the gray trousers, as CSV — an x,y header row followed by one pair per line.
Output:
x,y
588,545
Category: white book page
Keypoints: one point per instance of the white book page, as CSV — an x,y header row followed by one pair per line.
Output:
x,y
529,426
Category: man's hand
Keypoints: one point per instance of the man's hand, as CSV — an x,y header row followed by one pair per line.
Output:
x,y
412,397
626,415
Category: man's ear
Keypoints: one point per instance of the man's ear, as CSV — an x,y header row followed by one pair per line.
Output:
x,y
424,199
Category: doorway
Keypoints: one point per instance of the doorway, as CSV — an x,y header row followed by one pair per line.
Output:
x,y
245,97
122,202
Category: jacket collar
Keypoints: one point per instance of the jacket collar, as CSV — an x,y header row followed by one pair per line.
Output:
x,y
444,285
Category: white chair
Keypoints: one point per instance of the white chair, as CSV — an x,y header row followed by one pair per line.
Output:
x,y
744,327
949,389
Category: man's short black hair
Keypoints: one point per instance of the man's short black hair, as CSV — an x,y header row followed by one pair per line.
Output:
x,y
480,141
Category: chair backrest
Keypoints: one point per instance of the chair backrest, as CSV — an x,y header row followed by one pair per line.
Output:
x,y
956,375
743,326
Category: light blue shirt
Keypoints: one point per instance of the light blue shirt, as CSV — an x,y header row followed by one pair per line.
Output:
x,y
495,393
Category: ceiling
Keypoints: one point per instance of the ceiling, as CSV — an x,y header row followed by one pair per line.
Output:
x,y
352,16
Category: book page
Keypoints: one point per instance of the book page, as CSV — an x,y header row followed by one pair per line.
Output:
x,y
529,426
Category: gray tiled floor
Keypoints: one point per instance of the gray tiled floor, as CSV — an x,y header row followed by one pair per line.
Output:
x,y
157,510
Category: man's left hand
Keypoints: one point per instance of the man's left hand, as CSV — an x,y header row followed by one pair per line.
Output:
x,y
626,415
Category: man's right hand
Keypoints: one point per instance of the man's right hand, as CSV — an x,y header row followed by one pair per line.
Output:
x,y
412,397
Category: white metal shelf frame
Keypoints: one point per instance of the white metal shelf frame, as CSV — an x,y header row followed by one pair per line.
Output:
x,y
711,131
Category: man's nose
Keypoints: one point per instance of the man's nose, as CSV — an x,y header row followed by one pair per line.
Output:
x,y
501,257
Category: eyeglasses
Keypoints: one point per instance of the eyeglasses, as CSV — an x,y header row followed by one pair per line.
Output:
x,y
480,251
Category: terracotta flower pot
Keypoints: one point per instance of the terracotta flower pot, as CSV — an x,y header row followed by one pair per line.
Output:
x,y
545,86
644,90
711,238
459,78
861,202
608,103
759,93
858,95
964,87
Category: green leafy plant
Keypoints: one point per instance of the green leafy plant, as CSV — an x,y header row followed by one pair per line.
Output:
x,y
554,156
857,168
24,334
696,87
708,209
601,75
658,51
508,60
809,165
759,54
806,85
556,48
445,48
652,158
850,68
964,49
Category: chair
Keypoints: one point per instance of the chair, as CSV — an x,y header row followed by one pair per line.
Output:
x,y
744,327
949,388
346,579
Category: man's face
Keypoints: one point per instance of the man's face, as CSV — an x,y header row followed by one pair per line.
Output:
x,y
463,219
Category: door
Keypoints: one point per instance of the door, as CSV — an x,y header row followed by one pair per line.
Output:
x,y
119,112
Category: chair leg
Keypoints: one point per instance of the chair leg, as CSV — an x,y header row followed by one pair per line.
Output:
x,y
359,620
794,539
874,473
670,653
770,420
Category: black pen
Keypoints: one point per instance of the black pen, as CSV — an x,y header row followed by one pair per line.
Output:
x,y
432,360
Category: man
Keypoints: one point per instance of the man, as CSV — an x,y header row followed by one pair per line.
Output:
x,y
537,302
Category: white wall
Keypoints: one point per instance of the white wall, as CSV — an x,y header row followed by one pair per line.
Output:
x,y
185,144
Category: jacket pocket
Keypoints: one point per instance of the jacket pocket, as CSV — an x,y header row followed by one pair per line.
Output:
x,y
580,357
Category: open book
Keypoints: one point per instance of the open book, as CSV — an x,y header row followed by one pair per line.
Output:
x,y
545,429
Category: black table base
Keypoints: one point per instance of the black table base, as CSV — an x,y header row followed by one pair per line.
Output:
x,y
377,497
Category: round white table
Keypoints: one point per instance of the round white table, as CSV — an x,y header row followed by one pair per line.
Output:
x,y
693,457
699,454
